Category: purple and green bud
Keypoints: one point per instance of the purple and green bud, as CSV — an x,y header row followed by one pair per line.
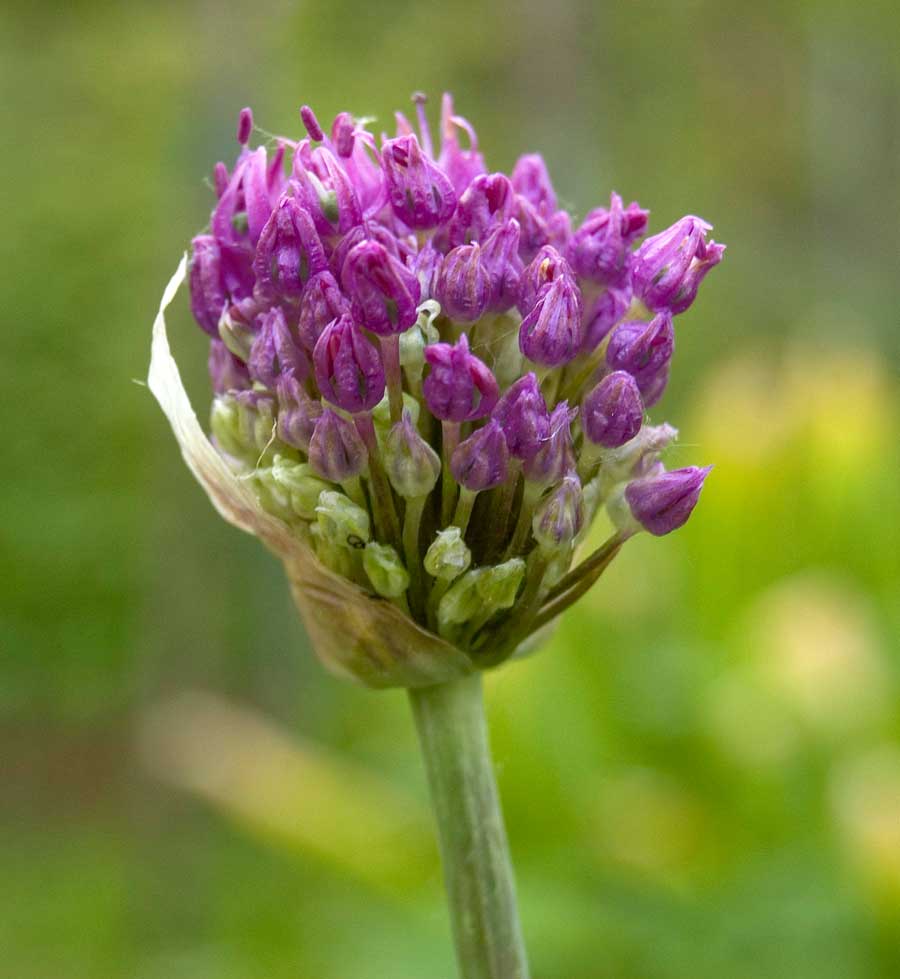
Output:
x,y
459,387
336,450
669,267
543,270
531,180
481,461
297,413
552,333
500,256
384,293
412,466
612,412
599,249
348,367
208,297
559,516
420,193
463,286
488,201
663,502
522,414
275,353
322,303
289,252
642,349
226,372
555,455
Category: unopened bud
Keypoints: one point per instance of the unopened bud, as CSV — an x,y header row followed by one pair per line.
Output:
x,y
560,515
341,522
412,465
382,564
448,556
301,483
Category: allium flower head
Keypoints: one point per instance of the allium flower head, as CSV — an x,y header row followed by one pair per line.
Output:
x,y
398,341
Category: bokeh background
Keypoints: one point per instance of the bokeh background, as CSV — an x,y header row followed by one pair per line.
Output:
x,y
702,771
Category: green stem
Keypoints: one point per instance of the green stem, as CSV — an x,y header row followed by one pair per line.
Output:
x,y
412,520
449,442
390,356
474,851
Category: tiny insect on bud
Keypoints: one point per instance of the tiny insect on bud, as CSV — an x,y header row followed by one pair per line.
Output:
x,y
341,522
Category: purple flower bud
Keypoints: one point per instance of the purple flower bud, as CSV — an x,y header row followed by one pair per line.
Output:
x,y
531,179
322,302
642,349
289,251
459,387
663,503
326,190
560,516
555,455
535,233
489,200
311,123
523,416
336,451
612,412
384,293
609,307
297,413
461,166
599,248
463,286
426,264
412,465
481,461
552,333
546,267
208,296
420,193
226,371
275,352
348,367
342,134
669,267
245,126
247,200
500,255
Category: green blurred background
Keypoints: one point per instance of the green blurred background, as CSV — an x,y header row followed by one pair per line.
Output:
x,y
702,772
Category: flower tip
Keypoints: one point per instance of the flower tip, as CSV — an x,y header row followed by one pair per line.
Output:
x,y
311,123
245,125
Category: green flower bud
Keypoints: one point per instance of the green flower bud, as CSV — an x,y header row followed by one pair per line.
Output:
x,y
341,560
342,522
381,414
461,602
412,465
448,556
225,423
499,585
272,497
236,336
414,340
303,486
480,593
385,570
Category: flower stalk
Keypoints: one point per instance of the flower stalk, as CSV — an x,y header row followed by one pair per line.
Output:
x,y
478,872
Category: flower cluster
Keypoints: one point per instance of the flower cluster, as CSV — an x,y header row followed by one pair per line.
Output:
x,y
432,376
